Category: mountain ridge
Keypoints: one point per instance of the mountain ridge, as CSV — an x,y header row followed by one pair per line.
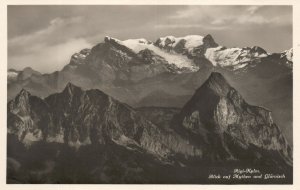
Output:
x,y
215,127
145,78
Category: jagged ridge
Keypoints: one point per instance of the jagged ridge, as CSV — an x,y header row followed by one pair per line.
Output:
x,y
78,118
215,127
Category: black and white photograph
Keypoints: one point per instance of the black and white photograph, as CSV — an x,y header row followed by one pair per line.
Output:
x,y
149,94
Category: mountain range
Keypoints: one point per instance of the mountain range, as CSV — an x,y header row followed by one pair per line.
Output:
x,y
215,127
152,112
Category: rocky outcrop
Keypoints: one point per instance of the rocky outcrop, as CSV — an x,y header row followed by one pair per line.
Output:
x,y
199,52
285,57
77,118
217,111
28,117
119,143
77,59
117,45
191,46
209,42
257,50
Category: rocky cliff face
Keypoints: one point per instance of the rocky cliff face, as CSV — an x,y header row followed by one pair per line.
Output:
x,y
218,110
167,72
28,117
78,118
216,126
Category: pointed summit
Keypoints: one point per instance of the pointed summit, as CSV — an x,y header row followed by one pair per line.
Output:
x,y
207,97
217,83
23,96
209,41
257,49
21,103
217,108
71,86
24,92
72,89
216,76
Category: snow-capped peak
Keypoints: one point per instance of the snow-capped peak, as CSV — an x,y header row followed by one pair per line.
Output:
x,y
190,41
288,54
137,45
182,51
234,57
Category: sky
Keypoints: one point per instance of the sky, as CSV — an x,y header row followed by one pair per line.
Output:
x,y
45,36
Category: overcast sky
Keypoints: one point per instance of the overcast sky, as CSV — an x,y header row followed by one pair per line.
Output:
x,y
44,37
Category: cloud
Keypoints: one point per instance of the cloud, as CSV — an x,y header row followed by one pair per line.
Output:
x,y
62,30
251,15
188,26
188,12
46,58
41,36
232,15
47,49
252,19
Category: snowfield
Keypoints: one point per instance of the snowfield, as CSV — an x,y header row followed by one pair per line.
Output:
x,y
192,41
234,57
219,56
172,58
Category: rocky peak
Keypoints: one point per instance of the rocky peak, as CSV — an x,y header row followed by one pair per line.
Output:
x,y
94,117
146,55
28,69
146,52
217,108
209,41
27,73
22,97
217,83
200,50
79,58
85,51
20,104
71,89
257,49
288,55
24,93
119,45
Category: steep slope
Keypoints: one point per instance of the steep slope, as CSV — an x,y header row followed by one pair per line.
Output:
x,y
137,45
78,118
234,58
205,48
117,66
166,73
217,115
101,140
268,83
